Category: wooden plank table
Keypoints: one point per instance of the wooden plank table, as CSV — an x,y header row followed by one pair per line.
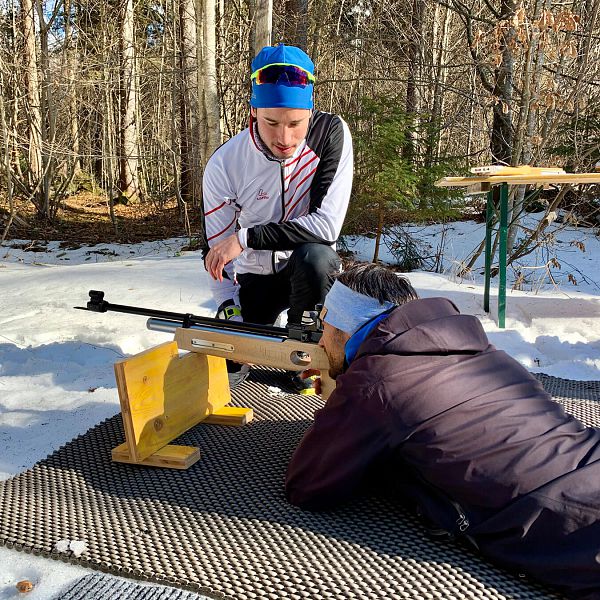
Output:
x,y
496,185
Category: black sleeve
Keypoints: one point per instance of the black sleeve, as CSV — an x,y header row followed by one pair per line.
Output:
x,y
334,455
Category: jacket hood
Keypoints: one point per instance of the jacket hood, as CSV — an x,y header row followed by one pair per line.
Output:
x,y
426,326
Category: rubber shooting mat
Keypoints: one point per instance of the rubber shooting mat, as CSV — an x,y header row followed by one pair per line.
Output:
x,y
97,586
224,528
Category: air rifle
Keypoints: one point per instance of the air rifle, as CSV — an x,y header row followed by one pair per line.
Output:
x,y
291,348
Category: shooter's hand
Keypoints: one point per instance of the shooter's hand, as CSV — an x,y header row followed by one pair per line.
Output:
x,y
221,254
313,373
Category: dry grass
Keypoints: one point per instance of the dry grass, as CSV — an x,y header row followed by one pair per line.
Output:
x,y
85,219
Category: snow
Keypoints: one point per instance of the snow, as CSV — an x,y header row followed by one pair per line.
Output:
x,y
56,363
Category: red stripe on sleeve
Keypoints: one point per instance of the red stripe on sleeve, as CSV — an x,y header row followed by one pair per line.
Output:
x,y
215,209
222,230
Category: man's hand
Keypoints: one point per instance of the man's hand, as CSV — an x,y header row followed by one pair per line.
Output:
x,y
222,254
313,373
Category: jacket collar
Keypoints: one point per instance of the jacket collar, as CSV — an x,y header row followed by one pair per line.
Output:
x,y
354,343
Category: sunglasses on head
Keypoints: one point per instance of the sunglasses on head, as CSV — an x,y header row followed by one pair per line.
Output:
x,y
283,74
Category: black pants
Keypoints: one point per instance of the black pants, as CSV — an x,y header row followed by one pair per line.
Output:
x,y
301,284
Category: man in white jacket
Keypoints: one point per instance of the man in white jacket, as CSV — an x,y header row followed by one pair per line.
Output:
x,y
275,197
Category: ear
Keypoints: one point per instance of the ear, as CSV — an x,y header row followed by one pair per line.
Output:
x,y
253,112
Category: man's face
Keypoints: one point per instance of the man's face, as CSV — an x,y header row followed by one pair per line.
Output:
x,y
333,342
282,129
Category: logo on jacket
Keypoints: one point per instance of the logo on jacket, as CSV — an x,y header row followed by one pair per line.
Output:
x,y
262,195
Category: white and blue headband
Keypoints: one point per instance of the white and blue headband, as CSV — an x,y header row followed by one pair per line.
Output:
x,y
348,310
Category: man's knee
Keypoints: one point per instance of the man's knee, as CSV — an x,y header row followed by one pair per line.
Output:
x,y
315,259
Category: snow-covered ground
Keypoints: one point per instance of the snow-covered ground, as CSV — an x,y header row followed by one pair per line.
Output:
x,y
56,363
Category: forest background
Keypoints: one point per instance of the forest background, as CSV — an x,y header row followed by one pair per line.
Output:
x,y
109,109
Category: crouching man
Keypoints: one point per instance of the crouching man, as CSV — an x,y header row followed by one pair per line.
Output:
x,y
467,436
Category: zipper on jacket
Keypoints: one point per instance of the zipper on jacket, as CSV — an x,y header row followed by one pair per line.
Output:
x,y
282,178
282,175
462,522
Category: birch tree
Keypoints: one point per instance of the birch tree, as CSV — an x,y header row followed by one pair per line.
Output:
x,y
189,99
263,25
129,180
209,69
33,109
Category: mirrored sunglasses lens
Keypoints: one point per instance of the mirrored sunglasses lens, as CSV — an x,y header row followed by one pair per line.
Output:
x,y
282,74
297,76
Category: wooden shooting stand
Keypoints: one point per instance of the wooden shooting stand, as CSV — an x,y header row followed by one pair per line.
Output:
x,y
162,395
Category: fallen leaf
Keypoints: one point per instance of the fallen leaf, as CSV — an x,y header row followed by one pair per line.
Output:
x,y
24,586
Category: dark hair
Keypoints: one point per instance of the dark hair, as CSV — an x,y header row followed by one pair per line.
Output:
x,y
378,282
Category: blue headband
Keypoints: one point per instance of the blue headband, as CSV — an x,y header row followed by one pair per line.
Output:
x,y
348,310
281,95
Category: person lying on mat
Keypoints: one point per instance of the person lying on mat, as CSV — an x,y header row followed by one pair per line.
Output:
x,y
457,428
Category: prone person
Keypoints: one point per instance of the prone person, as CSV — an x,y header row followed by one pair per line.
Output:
x,y
463,433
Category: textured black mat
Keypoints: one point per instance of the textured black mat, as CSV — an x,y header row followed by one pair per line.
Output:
x,y
106,587
223,527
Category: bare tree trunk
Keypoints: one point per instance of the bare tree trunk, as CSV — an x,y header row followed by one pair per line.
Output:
x,y
471,124
352,92
335,56
263,25
48,115
189,109
379,232
523,152
108,143
440,45
33,106
295,23
70,67
533,61
175,110
502,133
129,180
6,159
13,112
317,9
211,96
414,62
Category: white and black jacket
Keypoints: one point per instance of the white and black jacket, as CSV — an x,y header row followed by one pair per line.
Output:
x,y
277,205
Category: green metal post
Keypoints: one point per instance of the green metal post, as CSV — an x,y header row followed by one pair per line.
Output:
x,y
489,215
502,255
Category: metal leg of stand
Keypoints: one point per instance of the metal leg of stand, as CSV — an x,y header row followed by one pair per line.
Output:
x,y
502,255
489,215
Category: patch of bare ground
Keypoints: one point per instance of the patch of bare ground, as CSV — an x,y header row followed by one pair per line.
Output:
x,y
84,218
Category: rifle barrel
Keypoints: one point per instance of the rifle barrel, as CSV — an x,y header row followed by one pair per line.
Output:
x,y
167,326
98,304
